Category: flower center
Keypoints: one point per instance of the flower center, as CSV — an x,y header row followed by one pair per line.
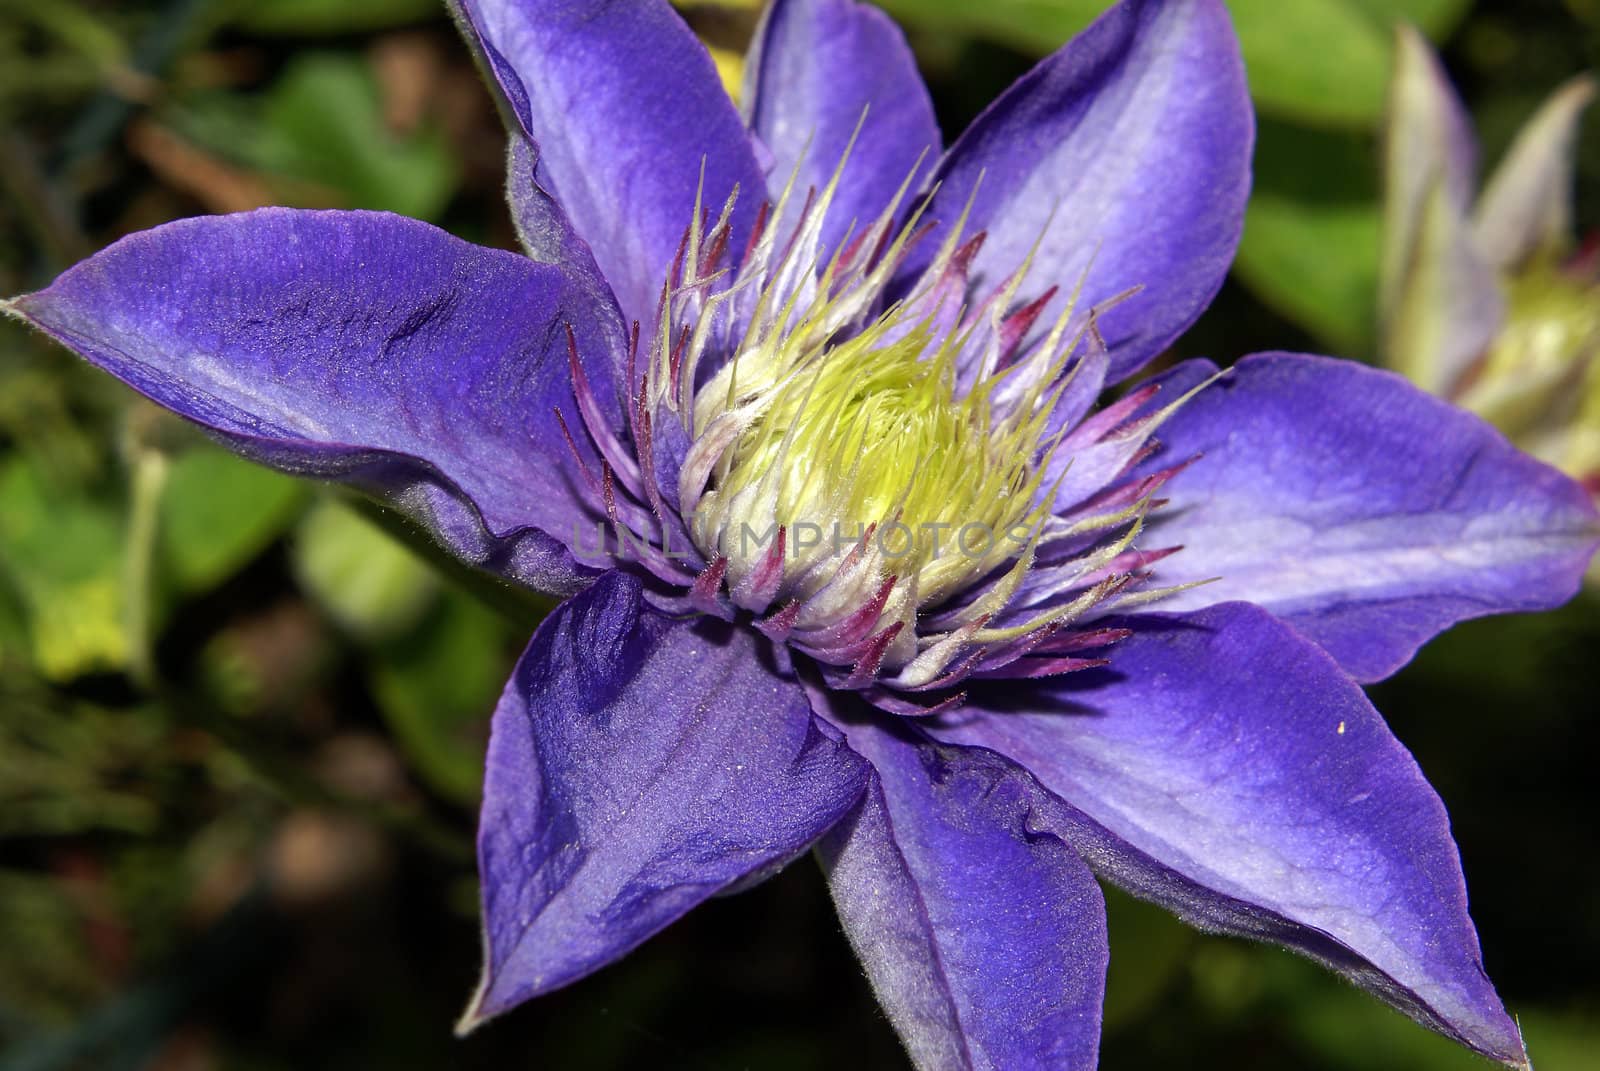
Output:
x,y
871,440
910,490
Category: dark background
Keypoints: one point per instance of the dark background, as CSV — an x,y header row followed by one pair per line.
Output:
x,y
240,727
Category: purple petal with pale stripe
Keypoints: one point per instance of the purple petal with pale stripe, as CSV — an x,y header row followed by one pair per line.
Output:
x,y
637,766
1126,154
625,107
1368,514
982,932
1226,768
816,69
362,347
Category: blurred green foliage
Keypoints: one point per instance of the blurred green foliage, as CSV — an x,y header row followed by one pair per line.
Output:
x,y
242,722
63,553
218,513
320,125
1315,61
1312,232
298,18
371,585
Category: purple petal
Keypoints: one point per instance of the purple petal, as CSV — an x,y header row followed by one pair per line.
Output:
x,y
1366,513
637,766
361,347
984,936
547,236
625,107
1126,154
816,69
1228,769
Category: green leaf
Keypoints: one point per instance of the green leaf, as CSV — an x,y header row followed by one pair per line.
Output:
x,y
218,513
332,16
62,549
366,581
437,688
85,32
1436,18
1311,234
1560,1043
322,124
327,107
1318,61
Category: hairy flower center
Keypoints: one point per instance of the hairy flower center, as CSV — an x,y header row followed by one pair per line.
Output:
x,y
910,490
872,440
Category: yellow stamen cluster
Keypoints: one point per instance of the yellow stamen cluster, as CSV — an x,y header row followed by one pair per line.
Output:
x,y
854,467
875,437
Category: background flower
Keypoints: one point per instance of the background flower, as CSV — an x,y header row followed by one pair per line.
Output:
x,y
1486,299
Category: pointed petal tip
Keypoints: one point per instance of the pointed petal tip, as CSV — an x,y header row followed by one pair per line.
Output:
x,y
1526,209
1508,1047
13,309
473,1016
479,1010
299,339
573,877
22,306
1428,137
1482,527
1366,878
1576,93
1415,55
1410,41
485,1005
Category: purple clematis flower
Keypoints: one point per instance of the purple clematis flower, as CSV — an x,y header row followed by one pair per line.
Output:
x,y
799,408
